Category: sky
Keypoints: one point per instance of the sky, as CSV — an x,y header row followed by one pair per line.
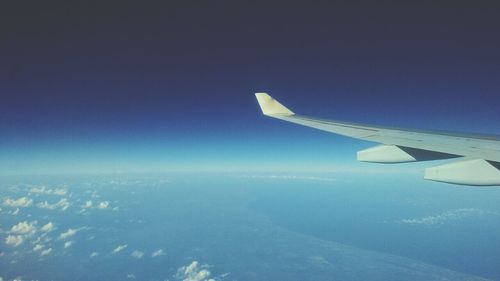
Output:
x,y
129,86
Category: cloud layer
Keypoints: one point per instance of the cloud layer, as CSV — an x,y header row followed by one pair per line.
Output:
x,y
451,215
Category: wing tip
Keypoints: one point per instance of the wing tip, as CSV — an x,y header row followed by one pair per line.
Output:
x,y
270,106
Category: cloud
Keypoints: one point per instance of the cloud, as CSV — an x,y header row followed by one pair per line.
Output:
x,y
44,190
88,204
193,272
14,240
93,255
24,228
20,202
63,204
68,244
137,254
119,248
59,191
70,232
48,227
129,276
451,215
38,247
38,190
158,253
46,252
103,205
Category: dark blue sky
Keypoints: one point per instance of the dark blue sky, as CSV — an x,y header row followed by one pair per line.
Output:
x,y
131,86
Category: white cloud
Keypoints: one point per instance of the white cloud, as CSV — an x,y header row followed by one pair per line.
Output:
x,y
63,204
68,244
46,205
59,191
193,272
46,252
48,227
137,254
38,247
44,190
15,212
93,255
103,205
40,190
20,202
451,215
70,232
14,240
119,248
88,204
158,253
129,276
24,228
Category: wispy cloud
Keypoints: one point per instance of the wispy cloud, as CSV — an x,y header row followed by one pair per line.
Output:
x,y
93,255
119,248
44,190
59,191
38,247
48,227
158,253
45,252
451,215
68,244
69,233
20,202
137,254
40,190
63,204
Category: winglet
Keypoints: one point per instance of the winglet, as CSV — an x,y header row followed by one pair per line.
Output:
x,y
271,106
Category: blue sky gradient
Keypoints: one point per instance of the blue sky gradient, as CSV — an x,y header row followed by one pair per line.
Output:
x,y
95,87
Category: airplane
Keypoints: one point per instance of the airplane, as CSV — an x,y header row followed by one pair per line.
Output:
x,y
478,156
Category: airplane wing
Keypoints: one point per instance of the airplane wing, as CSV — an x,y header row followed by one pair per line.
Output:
x,y
478,157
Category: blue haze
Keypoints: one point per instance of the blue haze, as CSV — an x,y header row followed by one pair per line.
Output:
x,y
254,227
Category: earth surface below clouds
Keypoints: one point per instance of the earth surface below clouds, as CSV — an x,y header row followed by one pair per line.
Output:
x,y
245,227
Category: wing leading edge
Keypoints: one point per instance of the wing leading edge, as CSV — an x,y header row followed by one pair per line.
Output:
x,y
480,155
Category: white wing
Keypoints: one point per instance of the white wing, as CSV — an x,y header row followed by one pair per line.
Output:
x,y
480,155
